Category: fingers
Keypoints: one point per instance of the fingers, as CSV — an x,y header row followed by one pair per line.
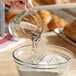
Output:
x,y
17,5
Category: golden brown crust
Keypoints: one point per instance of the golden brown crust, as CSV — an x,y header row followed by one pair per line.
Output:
x,y
46,17
50,20
57,22
70,30
9,15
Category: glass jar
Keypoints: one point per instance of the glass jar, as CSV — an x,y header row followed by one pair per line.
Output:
x,y
27,24
50,60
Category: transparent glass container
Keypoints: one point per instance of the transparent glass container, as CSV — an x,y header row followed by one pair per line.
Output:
x,y
50,60
27,24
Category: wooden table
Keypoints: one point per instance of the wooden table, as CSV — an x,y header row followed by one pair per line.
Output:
x,y
7,65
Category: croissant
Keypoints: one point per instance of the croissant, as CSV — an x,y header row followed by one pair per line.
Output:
x,y
57,22
46,17
70,31
9,15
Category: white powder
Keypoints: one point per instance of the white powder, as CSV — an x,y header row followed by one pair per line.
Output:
x,y
53,59
47,59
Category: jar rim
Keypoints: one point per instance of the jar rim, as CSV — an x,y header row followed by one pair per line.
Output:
x,y
32,65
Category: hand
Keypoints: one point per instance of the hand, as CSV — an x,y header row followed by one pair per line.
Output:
x,y
18,4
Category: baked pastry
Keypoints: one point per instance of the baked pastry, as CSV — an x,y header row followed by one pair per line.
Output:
x,y
46,17
50,20
9,15
57,22
70,31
